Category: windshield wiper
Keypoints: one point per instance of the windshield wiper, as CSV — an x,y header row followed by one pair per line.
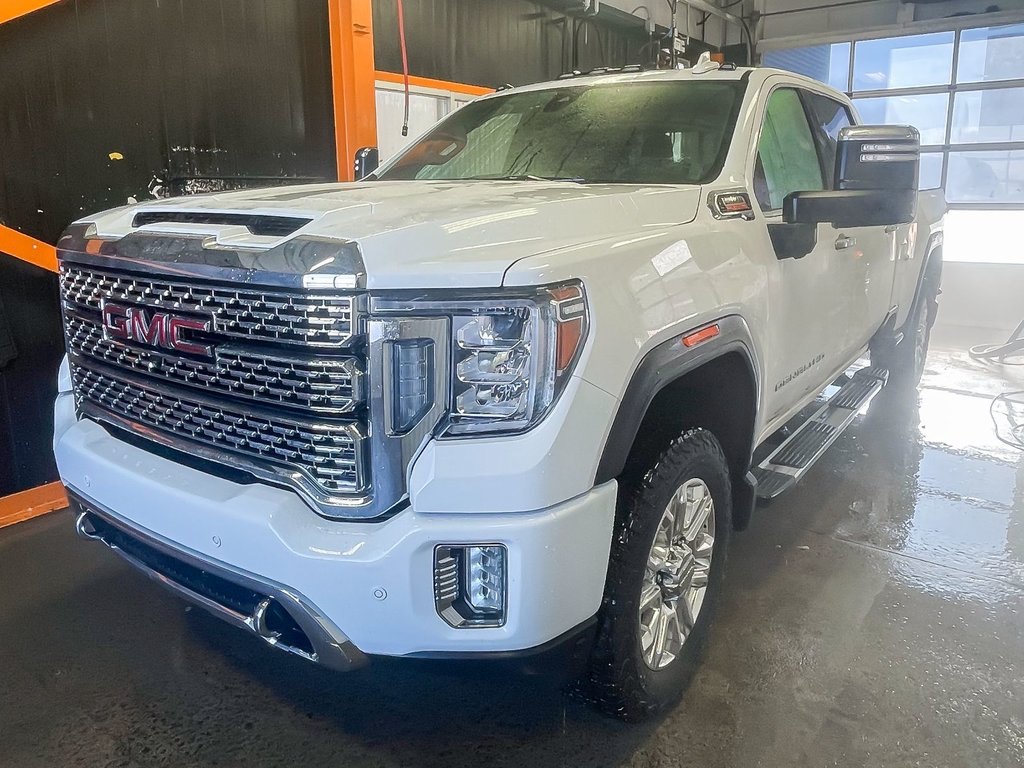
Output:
x,y
527,177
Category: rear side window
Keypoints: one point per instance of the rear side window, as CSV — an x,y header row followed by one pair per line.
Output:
x,y
787,158
828,117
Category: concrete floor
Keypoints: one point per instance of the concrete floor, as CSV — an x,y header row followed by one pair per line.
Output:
x,y
873,617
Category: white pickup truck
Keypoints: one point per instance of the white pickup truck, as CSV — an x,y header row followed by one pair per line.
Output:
x,y
510,394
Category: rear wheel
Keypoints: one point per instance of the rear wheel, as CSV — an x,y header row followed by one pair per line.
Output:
x,y
664,578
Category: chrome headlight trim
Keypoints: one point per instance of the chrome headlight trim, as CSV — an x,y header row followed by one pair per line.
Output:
x,y
548,328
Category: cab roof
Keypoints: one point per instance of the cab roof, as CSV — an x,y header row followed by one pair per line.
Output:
x,y
755,75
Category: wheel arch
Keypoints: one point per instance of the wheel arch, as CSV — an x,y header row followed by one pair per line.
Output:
x,y
931,268
713,385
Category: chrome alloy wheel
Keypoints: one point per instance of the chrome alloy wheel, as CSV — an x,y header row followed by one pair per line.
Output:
x,y
676,577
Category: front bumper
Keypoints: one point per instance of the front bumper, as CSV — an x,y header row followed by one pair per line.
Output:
x,y
367,585
277,614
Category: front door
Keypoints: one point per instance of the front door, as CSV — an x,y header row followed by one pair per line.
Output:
x,y
863,258
807,312
826,305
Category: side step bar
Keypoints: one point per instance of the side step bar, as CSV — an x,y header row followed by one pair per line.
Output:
x,y
790,461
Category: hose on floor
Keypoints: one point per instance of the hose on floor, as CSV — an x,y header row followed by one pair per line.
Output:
x,y
1007,412
998,353
1007,408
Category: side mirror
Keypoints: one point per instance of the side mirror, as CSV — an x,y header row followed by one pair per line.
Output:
x,y
851,207
878,157
875,182
366,162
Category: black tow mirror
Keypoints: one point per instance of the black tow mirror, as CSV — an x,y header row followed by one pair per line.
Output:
x,y
366,162
875,181
878,157
851,207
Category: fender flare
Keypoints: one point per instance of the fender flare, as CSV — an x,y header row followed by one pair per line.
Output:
x,y
935,242
659,367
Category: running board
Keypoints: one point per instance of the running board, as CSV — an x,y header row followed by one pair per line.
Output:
x,y
797,454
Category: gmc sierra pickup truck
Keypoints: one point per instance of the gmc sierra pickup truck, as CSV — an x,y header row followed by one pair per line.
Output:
x,y
511,393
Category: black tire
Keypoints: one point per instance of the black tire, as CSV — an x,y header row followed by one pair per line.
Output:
x,y
619,680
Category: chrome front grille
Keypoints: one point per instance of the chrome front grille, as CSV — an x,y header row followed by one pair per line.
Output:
x,y
254,314
328,385
328,457
282,394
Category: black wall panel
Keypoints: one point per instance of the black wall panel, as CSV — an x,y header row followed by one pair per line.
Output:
x,y
194,95
107,101
492,42
30,314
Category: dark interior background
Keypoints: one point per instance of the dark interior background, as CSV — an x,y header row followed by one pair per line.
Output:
x,y
103,102
493,42
195,95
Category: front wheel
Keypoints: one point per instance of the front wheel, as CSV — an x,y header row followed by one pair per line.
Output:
x,y
664,578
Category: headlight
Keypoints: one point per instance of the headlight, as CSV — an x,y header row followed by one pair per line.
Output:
x,y
511,359
511,354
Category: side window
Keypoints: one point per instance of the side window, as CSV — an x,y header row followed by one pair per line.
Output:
x,y
828,117
787,159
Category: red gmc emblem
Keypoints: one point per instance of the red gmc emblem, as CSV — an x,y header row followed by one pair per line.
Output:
x,y
155,329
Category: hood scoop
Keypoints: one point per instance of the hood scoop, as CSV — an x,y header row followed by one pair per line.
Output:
x,y
257,224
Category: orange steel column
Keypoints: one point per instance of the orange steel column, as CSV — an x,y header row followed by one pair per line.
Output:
x,y
12,9
352,71
31,503
28,249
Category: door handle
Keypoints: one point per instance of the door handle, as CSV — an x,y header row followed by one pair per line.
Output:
x,y
845,241
891,228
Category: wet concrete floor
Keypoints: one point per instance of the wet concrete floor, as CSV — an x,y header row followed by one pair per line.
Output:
x,y
874,616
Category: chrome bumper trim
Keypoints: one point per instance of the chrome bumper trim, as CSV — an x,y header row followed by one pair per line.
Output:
x,y
331,647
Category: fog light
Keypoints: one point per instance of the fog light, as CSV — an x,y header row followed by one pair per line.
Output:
x,y
471,584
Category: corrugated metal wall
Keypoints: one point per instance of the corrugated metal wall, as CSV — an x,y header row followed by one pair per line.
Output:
x,y
187,91
492,42
104,101
192,94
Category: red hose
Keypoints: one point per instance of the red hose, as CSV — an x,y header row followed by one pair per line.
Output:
x,y
405,66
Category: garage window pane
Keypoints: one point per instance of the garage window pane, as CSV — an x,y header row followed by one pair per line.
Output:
x,y
986,177
931,171
903,62
828,63
991,53
926,112
984,116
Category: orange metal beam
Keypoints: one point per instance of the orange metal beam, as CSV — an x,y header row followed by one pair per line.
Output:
x,y
12,9
31,503
355,106
28,249
440,85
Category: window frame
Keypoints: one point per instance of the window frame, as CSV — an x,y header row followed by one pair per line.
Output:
x,y
828,173
827,176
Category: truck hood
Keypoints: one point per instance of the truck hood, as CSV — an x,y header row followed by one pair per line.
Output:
x,y
425,234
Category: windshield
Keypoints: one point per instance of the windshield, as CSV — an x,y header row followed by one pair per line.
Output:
x,y
667,132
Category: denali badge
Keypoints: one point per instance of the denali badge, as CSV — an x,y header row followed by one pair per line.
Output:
x,y
155,329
